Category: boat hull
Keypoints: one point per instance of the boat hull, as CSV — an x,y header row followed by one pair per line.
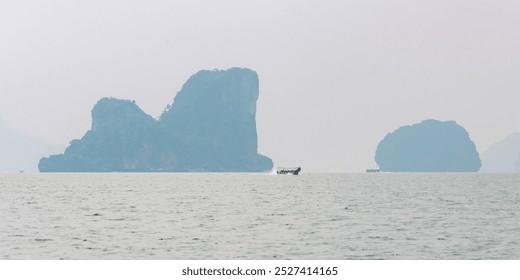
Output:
x,y
288,171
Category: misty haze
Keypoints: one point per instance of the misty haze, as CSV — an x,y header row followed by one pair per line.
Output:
x,y
264,130
335,77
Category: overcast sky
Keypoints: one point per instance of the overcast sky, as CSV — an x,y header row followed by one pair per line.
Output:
x,y
335,76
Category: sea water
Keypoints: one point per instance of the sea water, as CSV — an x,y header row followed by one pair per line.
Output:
x,y
259,216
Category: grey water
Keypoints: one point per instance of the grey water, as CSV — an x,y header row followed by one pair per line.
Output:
x,y
259,216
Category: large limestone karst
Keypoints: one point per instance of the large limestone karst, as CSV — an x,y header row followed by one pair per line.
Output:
x,y
213,117
210,127
122,138
429,146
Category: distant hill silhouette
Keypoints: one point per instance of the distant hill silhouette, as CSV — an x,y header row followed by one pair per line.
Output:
x,y
503,156
211,126
19,151
430,146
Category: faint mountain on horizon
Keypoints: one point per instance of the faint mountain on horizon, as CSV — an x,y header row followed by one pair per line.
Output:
x,y
19,151
503,156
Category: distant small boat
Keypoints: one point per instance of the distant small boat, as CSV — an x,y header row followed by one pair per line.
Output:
x,y
373,170
288,170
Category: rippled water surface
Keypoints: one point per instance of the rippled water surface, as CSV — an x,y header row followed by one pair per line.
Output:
x,y
259,216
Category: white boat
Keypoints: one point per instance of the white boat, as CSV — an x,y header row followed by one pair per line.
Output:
x,y
288,170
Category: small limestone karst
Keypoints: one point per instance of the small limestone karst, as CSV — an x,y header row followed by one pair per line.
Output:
x,y
429,146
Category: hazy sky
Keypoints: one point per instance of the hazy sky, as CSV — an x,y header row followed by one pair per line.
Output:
x,y
335,76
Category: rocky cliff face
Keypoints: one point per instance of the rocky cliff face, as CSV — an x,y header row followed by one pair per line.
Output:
x,y
430,146
213,118
122,138
210,127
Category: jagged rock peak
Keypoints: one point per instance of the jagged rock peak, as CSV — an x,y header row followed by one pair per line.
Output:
x,y
109,110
